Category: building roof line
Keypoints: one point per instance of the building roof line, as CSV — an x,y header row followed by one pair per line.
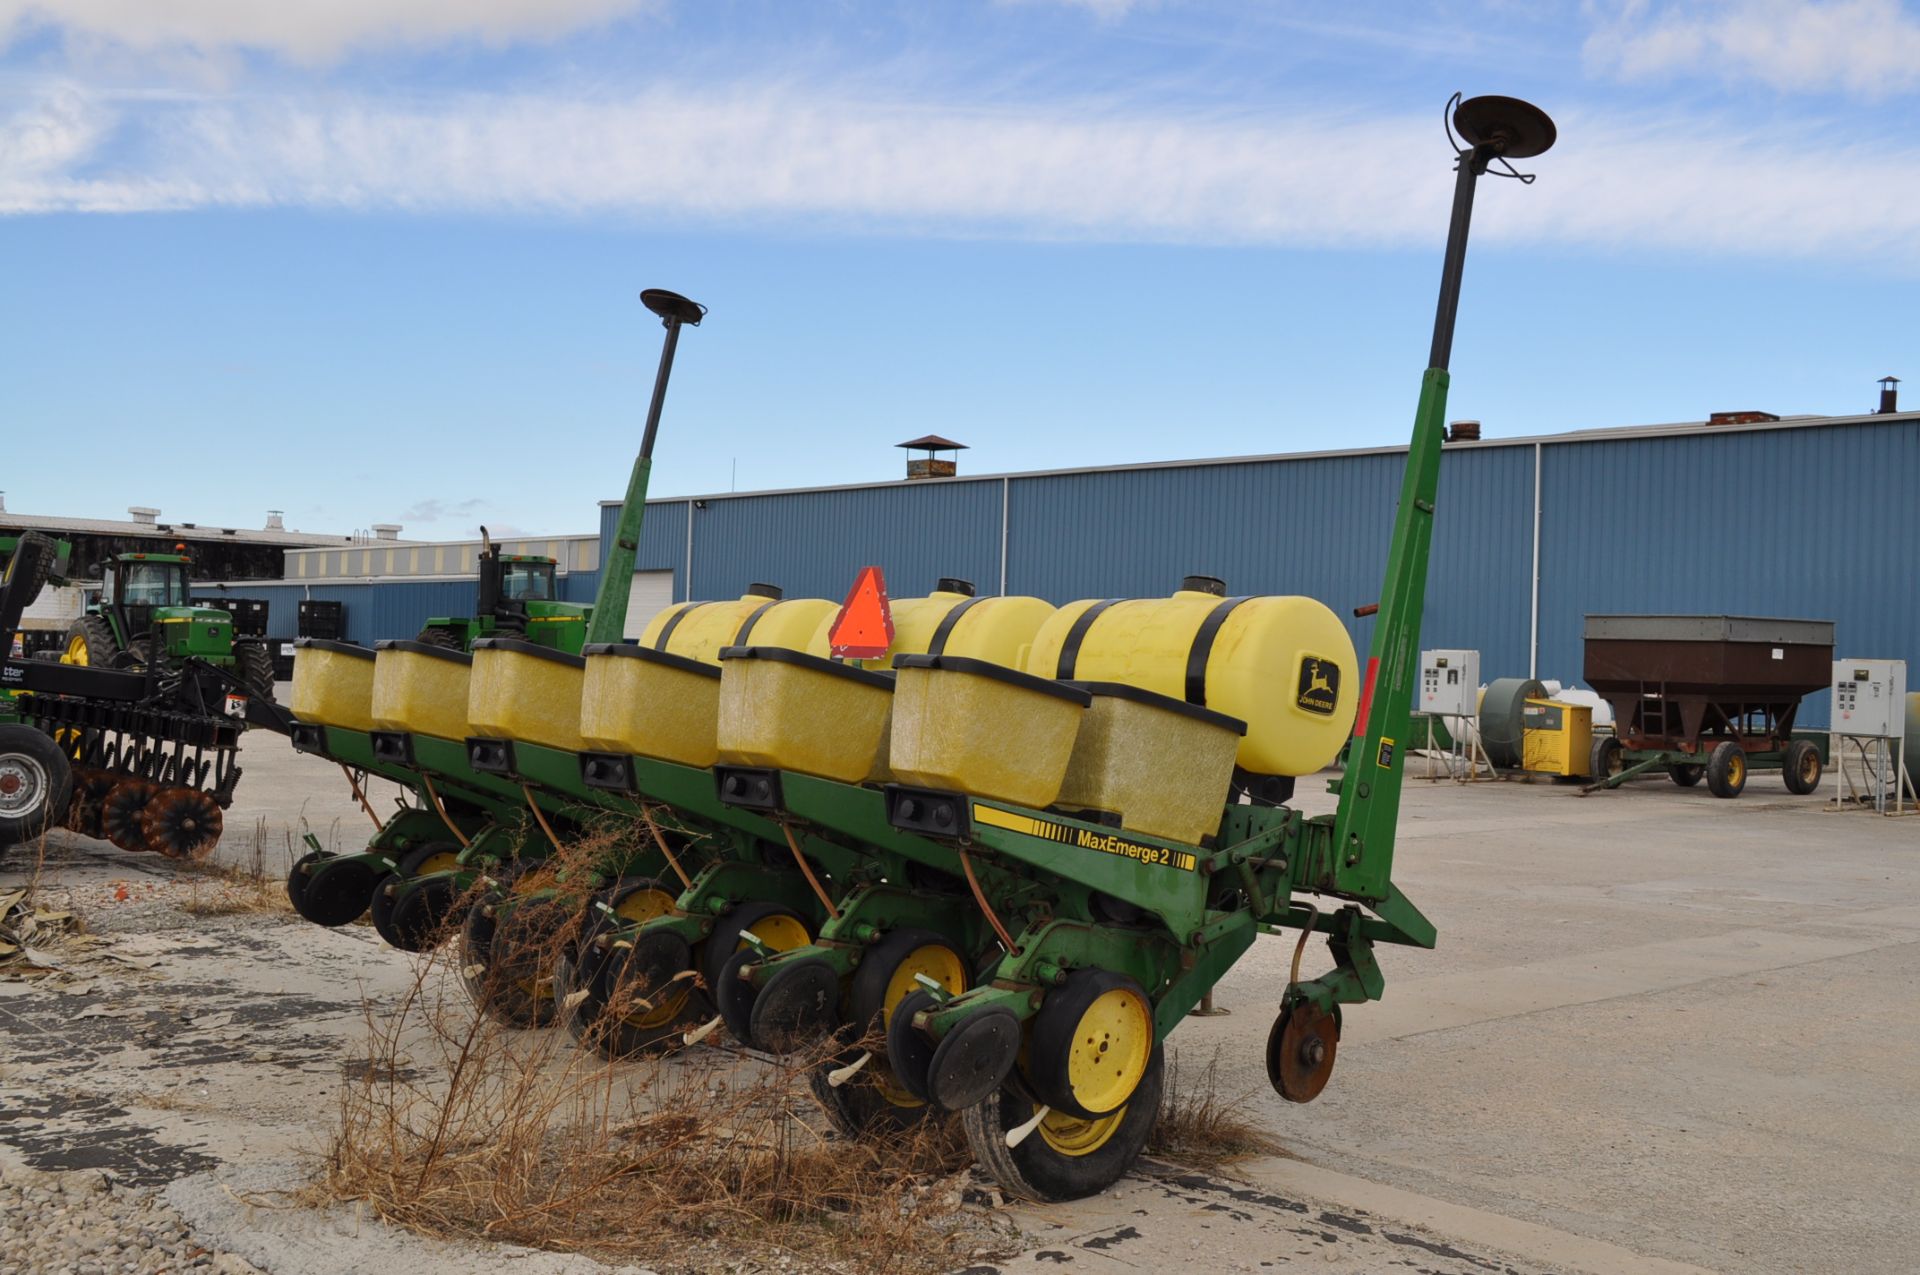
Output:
x,y
1597,435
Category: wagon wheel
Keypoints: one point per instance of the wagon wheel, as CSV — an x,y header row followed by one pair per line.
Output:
x,y
1726,769
1686,776
121,809
181,823
1801,767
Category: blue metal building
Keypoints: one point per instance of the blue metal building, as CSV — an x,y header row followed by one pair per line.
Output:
x,y
1807,517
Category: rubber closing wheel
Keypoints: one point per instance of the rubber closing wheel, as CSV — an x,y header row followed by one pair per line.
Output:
x,y
973,1059
297,877
798,1004
1091,1042
910,1050
1300,1051
733,996
337,891
422,911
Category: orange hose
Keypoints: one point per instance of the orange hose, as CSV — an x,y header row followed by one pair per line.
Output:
x,y
807,869
980,897
445,818
540,818
358,795
659,839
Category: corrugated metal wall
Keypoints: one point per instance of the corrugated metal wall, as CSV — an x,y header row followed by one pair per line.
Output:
x,y
1814,524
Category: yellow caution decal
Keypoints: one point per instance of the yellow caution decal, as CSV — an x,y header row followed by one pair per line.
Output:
x,y
1085,838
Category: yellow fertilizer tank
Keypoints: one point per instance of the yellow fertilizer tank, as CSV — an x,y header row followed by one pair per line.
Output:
x,y
793,711
977,727
759,617
333,684
650,703
952,620
1283,665
525,691
1161,764
421,688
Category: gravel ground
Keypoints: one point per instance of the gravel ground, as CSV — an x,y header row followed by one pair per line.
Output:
x,y
82,1223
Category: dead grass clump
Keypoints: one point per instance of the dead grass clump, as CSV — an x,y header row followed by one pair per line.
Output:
x,y
1200,1127
225,889
694,1161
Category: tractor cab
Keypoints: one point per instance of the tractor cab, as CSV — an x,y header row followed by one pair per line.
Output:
x,y
146,611
518,597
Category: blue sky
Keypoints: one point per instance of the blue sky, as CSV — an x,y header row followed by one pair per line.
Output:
x,y
376,260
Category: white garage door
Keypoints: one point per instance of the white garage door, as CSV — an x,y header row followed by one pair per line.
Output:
x,y
650,593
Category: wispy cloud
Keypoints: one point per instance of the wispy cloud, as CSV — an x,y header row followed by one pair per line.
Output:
x,y
309,30
1863,47
798,155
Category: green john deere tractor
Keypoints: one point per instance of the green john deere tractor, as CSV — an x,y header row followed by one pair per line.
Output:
x,y
518,593
145,608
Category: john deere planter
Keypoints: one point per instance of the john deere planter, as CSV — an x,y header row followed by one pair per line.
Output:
x,y
989,871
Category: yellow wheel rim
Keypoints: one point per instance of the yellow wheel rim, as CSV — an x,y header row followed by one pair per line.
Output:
x,y
76,652
445,861
943,966
644,905
780,932
1110,1049
1070,1135
1736,768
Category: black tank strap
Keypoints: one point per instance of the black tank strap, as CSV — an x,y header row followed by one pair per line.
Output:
x,y
673,622
1202,649
746,626
1070,649
940,635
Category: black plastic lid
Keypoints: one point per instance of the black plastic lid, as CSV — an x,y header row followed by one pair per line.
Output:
x,y
412,647
784,655
647,655
328,644
773,591
998,672
1205,584
954,584
1153,699
520,646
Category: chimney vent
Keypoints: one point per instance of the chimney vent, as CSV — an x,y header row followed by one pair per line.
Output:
x,y
1889,395
930,465
1463,432
274,521
386,531
145,515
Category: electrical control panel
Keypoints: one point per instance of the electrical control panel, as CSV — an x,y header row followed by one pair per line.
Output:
x,y
1449,683
1870,697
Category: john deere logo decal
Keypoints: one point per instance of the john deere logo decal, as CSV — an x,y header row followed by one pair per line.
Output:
x,y
1319,685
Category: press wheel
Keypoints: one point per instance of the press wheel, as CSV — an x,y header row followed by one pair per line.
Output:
x,y
587,966
409,912
502,946
798,1005
1300,1051
884,990
1066,1157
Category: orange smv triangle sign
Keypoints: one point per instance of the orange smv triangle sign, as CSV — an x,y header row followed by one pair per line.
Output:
x,y
864,628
